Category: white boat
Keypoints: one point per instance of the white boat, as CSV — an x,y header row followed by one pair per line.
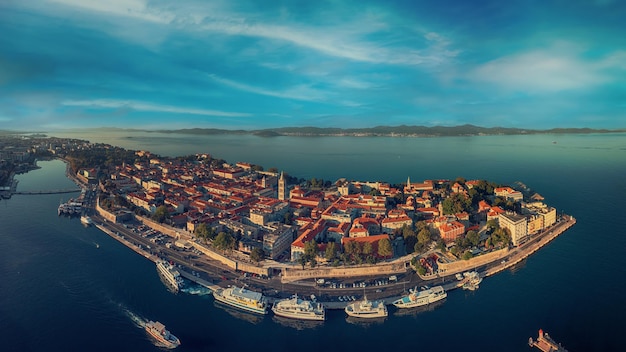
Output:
x,y
298,308
473,280
86,220
161,334
367,309
417,298
241,298
170,274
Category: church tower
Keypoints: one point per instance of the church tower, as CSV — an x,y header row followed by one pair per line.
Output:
x,y
282,187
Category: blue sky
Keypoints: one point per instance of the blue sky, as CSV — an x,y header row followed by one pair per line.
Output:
x,y
263,64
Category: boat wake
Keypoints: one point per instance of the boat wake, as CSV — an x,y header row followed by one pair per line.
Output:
x,y
196,290
136,319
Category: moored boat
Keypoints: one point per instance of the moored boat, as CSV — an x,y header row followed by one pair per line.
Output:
x,y
86,220
473,280
297,308
161,334
366,309
170,274
241,298
417,298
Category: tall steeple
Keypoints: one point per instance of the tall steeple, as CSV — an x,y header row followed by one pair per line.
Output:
x,y
408,182
282,187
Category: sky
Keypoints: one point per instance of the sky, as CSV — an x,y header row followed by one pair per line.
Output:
x,y
263,64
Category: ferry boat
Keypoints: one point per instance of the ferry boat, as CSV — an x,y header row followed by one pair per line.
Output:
x,y
86,220
545,343
170,274
367,309
418,298
298,308
161,334
241,298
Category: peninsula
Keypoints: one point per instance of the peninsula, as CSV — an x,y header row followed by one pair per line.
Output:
x,y
227,224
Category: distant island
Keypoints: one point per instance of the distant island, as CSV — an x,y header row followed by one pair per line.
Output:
x,y
378,131
391,131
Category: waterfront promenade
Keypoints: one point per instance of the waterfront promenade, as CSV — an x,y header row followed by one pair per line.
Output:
x,y
212,274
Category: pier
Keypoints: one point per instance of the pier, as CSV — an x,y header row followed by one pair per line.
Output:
x,y
57,191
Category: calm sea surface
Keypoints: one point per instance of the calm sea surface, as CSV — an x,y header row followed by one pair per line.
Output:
x,y
64,287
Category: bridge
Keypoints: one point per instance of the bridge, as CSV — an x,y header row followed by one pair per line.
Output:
x,y
55,191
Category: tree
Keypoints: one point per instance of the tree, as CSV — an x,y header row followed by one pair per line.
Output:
x,y
409,243
456,203
273,170
313,262
407,231
257,254
201,231
348,248
441,245
302,260
310,250
384,248
467,255
367,248
374,192
331,251
224,241
160,214
423,237
473,237
420,225
421,270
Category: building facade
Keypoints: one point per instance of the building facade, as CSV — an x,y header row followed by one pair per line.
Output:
x,y
517,225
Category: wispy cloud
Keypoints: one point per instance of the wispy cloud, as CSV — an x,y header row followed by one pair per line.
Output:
x,y
142,106
549,70
299,92
138,9
349,39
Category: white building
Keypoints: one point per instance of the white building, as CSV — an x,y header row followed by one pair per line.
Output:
x,y
517,225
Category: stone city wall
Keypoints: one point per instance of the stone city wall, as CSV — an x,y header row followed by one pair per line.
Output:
x,y
181,234
112,217
294,274
464,265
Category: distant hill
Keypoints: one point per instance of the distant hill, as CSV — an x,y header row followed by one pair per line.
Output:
x,y
388,131
400,131
204,131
